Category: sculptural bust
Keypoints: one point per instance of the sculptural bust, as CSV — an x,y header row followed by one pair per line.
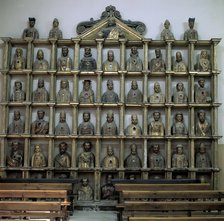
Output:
x,y
40,63
55,32
156,127
110,96
38,159
62,127
17,126
178,127
109,128
86,159
18,94
157,64
86,127
111,31
191,33
166,34
157,97
179,65
179,158
64,95
15,159
134,63
87,94
203,63
133,160
180,96
110,161
40,126
156,159
40,94
133,129
108,190
202,157
85,191
134,95
31,31
87,63
62,159
18,62
201,92
110,64
203,127
64,62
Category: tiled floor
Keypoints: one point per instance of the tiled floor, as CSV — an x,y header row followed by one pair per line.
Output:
x,y
94,216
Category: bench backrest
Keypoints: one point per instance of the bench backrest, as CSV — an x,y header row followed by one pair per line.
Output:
x,y
189,186
202,218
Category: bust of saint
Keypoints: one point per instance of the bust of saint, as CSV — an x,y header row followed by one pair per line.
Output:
x,y
180,96
134,63
15,159
157,97
156,127
62,127
64,95
134,95
202,157
109,128
133,160
88,63
203,63
111,31
166,34
133,129
191,33
110,64
203,127
110,161
40,63
156,159
40,94
178,127
55,32
87,93
85,191
201,92
18,62
179,65
18,94
179,158
40,126
110,96
62,159
86,127
38,159
17,126
157,64
31,31
108,190
86,159
64,62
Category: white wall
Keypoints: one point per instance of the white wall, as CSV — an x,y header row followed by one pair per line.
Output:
x,y
209,22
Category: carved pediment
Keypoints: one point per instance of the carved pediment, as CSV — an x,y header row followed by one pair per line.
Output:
x,y
111,26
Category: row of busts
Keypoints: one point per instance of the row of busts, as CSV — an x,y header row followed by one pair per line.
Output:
x,y
88,63
134,95
86,159
86,128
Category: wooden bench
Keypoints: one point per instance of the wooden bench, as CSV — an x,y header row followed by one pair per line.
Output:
x,y
41,184
196,218
120,187
27,203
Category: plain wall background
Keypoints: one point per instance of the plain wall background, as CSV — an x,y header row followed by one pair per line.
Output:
x,y
209,15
